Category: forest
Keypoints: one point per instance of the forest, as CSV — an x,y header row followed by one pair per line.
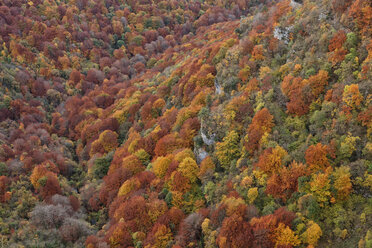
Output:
x,y
185,123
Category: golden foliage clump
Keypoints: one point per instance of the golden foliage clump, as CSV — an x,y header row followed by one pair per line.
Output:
x,y
285,237
161,164
228,149
312,234
189,169
352,96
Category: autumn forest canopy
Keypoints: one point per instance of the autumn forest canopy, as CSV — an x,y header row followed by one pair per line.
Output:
x,y
185,123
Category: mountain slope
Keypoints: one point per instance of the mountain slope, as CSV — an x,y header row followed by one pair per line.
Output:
x,y
185,124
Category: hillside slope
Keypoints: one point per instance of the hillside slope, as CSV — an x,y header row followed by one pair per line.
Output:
x,y
185,123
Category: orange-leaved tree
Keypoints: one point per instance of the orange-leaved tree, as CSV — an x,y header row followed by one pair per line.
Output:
x,y
285,182
316,157
261,126
271,159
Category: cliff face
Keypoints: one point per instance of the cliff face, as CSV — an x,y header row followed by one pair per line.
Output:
x,y
185,123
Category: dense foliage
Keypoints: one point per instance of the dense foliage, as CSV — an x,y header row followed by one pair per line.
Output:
x,y
231,123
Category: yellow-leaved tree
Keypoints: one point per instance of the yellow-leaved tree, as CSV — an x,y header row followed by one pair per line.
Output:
x,y
285,237
312,234
189,169
352,96
228,149
161,164
319,186
342,182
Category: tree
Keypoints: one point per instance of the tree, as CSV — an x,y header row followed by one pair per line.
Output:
x,y
234,205
190,230
3,166
342,182
205,76
95,76
285,182
143,156
179,183
134,212
293,88
246,45
320,186
361,11
316,157
119,236
352,96
157,208
132,163
264,227
206,167
335,47
318,83
270,160
347,146
49,216
245,73
209,234
235,232
228,149
37,173
189,130
160,166
101,166
106,142
261,125
257,53
129,186
72,229
38,87
252,194
184,153
112,182
51,186
74,202
163,235
189,169
312,234
285,237
167,144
